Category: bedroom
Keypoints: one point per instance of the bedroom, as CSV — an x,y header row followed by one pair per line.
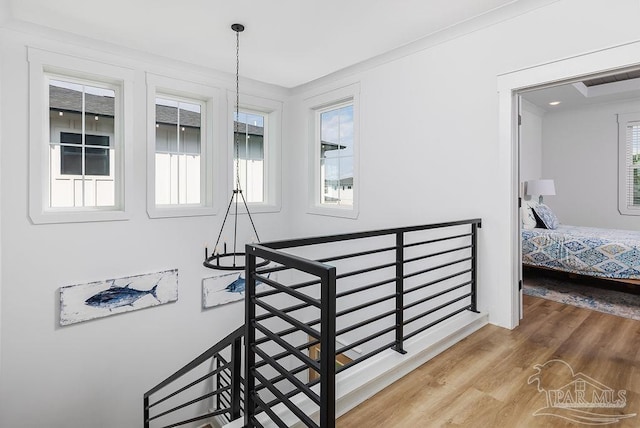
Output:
x,y
570,135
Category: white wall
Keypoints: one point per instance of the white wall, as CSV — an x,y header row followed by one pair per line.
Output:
x,y
429,130
531,142
94,373
580,152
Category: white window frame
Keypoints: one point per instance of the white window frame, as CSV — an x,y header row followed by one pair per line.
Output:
x,y
272,110
42,65
623,122
314,105
157,87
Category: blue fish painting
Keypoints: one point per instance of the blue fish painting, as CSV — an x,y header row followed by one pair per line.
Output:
x,y
115,296
224,289
83,302
238,285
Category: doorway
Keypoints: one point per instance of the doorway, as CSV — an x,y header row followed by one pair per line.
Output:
x,y
511,86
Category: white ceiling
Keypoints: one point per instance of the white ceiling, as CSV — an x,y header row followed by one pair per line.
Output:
x,y
286,42
573,96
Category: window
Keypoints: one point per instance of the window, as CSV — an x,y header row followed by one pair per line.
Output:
x,y
629,163
334,152
259,151
336,155
81,131
80,145
249,133
181,179
178,151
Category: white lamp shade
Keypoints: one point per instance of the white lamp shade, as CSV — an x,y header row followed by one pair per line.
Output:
x,y
544,187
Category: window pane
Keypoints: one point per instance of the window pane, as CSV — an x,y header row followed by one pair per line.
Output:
x,y
75,108
336,155
71,160
178,151
96,161
250,138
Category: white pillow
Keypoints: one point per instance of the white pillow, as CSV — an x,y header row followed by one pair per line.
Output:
x,y
526,211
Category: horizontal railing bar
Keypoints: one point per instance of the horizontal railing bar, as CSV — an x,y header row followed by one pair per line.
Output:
x,y
365,356
288,331
293,371
285,353
431,241
364,340
294,322
360,254
188,403
284,400
292,287
292,292
365,322
195,382
432,268
293,351
224,400
206,355
364,288
364,305
294,380
433,296
291,243
365,270
290,260
267,409
435,281
198,418
285,310
437,308
423,328
439,253
306,305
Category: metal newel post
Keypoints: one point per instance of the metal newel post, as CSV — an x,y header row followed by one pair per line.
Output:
x,y
145,405
249,336
236,370
474,266
399,346
328,349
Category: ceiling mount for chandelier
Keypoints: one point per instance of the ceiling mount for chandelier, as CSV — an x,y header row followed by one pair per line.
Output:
x,y
234,259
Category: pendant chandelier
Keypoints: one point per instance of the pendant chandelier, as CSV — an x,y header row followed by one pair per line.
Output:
x,y
234,259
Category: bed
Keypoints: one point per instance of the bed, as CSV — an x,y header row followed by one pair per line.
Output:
x,y
604,253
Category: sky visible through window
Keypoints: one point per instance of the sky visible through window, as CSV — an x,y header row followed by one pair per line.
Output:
x,y
337,130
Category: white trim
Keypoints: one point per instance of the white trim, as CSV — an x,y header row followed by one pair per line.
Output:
x,y
312,104
600,61
623,122
41,63
272,153
158,85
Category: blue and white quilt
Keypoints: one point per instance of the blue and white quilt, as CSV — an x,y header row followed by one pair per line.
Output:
x,y
607,253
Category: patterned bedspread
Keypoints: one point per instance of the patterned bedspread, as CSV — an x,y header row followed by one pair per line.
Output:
x,y
605,253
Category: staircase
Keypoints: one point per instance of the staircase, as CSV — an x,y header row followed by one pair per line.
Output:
x,y
390,299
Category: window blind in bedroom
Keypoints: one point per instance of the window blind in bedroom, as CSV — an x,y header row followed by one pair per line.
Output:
x,y
633,164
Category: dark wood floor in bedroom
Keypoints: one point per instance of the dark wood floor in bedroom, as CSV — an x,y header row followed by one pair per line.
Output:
x,y
482,381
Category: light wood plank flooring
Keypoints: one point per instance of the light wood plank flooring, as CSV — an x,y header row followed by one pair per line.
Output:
x,y
482,381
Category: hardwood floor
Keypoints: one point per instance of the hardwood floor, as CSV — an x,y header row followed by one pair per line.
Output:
x,y
482,381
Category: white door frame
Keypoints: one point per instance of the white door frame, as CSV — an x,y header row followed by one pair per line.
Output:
x,y
509,84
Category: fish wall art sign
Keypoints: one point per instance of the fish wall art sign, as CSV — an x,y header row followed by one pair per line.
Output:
x,y
99,299
227,288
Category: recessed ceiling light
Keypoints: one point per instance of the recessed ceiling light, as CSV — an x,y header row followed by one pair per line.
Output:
x,y
554,103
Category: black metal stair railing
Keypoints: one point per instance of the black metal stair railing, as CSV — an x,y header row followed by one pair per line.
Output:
x,y
322,298
373,291
217,374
